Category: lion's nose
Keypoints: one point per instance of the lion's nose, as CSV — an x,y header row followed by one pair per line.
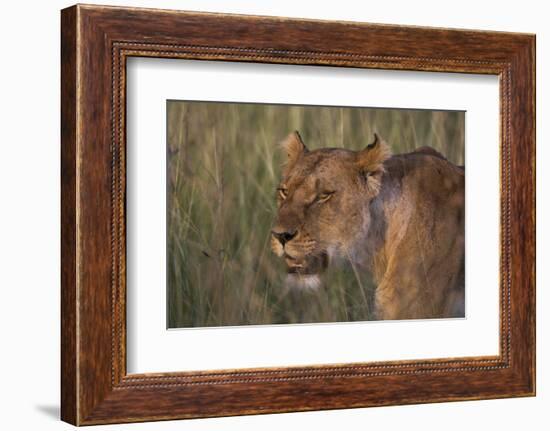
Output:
x,y
284,236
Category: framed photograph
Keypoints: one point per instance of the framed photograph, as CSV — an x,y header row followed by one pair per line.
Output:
x,y
266,215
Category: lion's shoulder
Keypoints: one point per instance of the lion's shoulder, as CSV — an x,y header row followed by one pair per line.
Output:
x,y
429,151
424,162
418,221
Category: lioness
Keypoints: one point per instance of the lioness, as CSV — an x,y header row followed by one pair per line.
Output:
x,y
399,216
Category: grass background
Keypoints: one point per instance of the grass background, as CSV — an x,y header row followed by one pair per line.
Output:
x,y
223,168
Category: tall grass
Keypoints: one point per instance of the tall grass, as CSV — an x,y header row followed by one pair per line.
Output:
x,y
223,167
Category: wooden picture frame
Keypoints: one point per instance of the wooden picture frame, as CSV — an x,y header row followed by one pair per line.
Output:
x,y
95,43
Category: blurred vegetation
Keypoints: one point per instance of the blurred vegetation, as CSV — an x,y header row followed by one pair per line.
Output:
x,y
223,168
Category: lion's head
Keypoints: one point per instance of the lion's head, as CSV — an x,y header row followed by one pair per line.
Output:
x,y
323,200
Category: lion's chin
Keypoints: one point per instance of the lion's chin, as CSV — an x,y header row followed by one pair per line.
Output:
x,y
303,281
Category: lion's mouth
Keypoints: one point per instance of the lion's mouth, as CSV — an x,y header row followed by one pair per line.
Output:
x,y
307,265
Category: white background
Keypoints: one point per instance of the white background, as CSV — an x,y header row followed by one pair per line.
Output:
x,y
151,348
29,216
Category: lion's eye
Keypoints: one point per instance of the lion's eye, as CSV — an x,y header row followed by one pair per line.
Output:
x,y
323,197
283,193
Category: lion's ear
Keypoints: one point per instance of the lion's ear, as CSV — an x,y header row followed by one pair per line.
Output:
x,y
372,158
294,147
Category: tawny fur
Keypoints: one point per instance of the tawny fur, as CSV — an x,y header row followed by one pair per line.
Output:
x,y
401,217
